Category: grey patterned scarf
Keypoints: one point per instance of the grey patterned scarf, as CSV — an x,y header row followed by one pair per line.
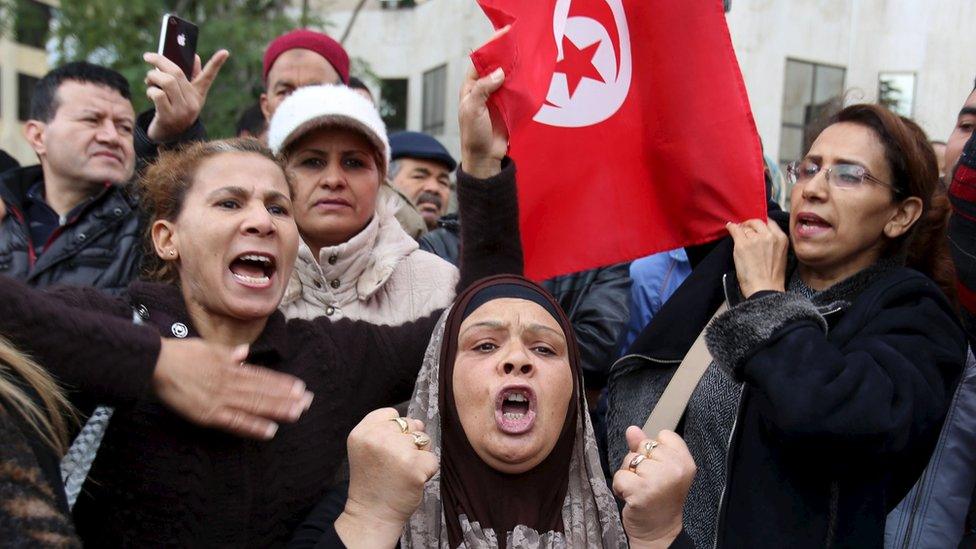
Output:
x,y
590,516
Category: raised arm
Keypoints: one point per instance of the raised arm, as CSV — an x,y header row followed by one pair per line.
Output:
x,y
487,198
177,101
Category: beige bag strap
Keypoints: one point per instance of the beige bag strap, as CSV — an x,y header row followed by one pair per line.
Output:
x,y
671,406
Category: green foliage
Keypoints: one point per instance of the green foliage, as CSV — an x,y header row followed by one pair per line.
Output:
x,y
116,34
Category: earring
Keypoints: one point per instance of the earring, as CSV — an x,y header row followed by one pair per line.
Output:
x,y
172,253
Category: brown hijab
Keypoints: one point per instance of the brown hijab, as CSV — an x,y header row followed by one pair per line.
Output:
x,y
562,501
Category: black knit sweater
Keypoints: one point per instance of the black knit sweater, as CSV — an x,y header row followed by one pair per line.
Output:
x,y
161,481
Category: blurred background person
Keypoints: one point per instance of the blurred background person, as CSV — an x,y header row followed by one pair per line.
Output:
x,y
7,162
252,123
940,154
361,88
421,169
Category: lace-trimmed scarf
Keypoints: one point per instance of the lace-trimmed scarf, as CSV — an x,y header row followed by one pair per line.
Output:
x,y
562,502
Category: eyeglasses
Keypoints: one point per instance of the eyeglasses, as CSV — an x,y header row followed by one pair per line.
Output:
x,y
842,176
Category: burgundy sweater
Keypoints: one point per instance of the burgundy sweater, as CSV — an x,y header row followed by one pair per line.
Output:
x,y
161,481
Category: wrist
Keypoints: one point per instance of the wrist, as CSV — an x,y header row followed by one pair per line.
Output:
x,y
160,376
657,541
361,526
749,291
480,167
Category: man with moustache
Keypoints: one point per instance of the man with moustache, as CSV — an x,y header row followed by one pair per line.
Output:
x,y
421,170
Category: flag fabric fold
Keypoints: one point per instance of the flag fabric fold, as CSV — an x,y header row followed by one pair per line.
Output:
x,y
630,124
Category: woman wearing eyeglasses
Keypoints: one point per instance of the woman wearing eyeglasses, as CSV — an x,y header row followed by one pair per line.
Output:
x,y
833,368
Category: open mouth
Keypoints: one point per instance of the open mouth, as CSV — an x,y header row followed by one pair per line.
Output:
x,y
808,224
254,269
515,410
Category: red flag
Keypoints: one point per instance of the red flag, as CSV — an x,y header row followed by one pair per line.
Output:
x,y
630,125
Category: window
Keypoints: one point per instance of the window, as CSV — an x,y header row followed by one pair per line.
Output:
x,y
397,4
811,94
33,20
393,103
896,90
435,88
25,89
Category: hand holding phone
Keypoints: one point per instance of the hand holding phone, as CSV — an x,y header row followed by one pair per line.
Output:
x,y
178,92
178,42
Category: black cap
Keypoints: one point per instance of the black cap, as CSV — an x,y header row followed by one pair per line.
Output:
x,y
420,146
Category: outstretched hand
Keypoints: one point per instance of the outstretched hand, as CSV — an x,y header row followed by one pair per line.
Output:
x,y
655,490
210,385
178,101
484,142
388,468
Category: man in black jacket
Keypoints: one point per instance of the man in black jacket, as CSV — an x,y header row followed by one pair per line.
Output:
x,y
73,218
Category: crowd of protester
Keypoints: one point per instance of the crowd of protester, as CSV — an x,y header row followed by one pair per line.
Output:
x,y
202,341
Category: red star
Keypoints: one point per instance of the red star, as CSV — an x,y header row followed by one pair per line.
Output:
x,y
577,64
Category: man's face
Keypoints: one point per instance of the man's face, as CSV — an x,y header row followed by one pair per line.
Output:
x,y
292,70
89,139
427,184
965,124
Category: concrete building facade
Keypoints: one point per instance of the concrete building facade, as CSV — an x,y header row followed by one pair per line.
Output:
x,y
796,56
23,60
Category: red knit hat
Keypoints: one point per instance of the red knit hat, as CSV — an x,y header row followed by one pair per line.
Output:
x,y
332,51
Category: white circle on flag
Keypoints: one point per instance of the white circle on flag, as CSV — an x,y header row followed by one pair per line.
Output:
x,y
592,101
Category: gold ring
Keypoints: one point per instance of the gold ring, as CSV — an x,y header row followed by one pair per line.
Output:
x,y
635,462
404,426
649,447
420,440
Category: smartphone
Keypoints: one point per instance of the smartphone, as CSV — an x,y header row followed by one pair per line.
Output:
x,y
178,42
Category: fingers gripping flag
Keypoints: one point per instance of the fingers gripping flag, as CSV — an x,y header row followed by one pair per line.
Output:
x,y
630,125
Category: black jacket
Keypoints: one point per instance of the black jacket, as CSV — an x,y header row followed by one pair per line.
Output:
x,y
596,301
841,406
102,248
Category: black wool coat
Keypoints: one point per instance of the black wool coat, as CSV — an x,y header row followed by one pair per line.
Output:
x,y
842,403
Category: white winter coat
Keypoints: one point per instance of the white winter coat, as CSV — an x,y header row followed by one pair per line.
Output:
x,y
379,276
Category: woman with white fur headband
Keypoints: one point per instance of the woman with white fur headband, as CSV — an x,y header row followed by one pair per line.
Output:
x,y
355,261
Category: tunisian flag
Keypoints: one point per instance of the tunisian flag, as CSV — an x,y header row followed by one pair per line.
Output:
x,y
630,126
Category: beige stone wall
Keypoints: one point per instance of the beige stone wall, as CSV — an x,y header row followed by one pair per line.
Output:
x,y
17,59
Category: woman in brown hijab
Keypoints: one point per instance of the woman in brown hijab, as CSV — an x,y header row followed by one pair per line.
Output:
x,y
500,408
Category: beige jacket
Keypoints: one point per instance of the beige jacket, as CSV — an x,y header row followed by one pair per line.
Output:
x,y
379,276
